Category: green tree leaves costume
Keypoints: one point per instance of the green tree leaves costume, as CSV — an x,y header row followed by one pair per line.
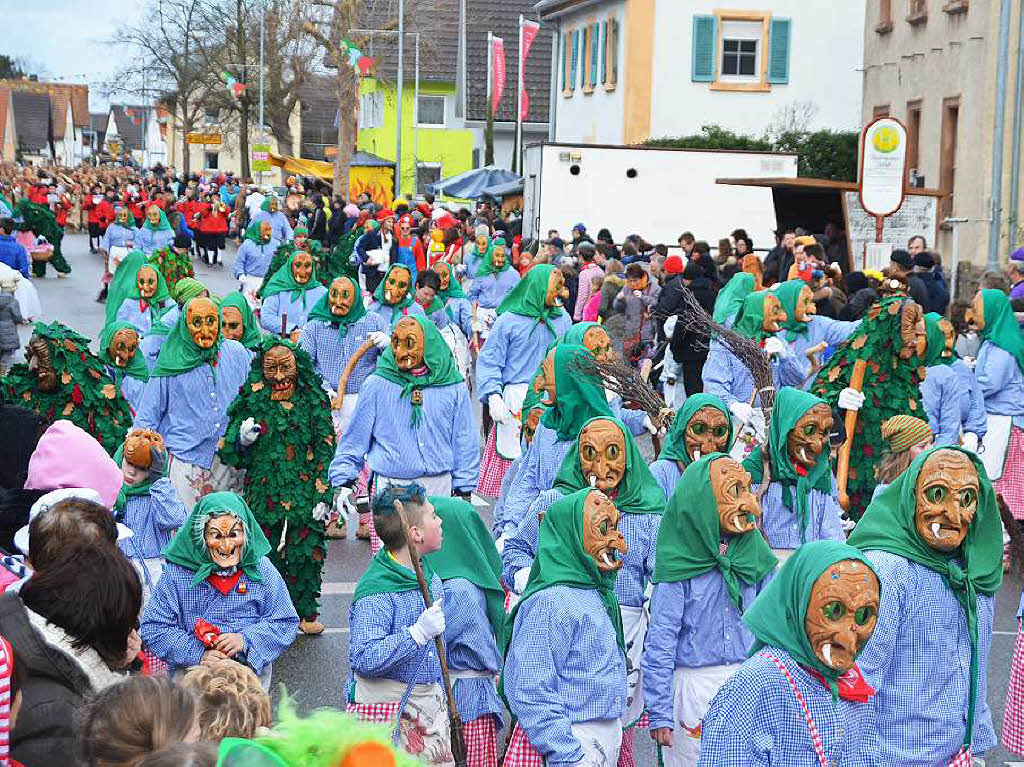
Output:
x,y
286,470
31,217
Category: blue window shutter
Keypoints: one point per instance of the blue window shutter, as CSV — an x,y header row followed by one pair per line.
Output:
x,y
595,38
565,60
575,58
703,70
778,50
604,52
583,52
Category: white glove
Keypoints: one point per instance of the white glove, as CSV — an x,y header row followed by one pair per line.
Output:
x,y
651,429
499,544
343,503
969,441
774,346
248,432
498,409
742,411
609,395
380,339
520,578
429,625
851,399
321,512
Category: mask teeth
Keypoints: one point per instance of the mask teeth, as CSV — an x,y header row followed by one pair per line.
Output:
x,y
593,481
696,455
119,361
803,456
826,650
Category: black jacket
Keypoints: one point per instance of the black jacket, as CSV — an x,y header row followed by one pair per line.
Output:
x,y
318,225
777,263
938,293
686,345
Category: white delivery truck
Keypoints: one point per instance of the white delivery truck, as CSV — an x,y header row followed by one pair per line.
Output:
x,y
654,192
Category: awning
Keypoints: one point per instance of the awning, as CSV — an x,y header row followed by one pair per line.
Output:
x,y
490,180
325,170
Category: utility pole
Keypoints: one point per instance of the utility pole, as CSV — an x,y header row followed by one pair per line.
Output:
x,y
263,24
401,91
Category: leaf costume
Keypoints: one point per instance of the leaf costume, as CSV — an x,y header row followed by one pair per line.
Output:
x,y
174,266
39,219
286,470
891,386
85,394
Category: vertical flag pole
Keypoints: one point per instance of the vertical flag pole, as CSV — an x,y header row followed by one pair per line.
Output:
x,y
517,151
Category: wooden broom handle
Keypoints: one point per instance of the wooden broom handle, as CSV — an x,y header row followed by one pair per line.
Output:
x,y
843,465
347,373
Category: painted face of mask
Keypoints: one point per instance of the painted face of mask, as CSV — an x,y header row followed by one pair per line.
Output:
x,y
302,267
706,432
444,273
481,243
774,315
153,216
202,322
948,337
738,508
300,241
809,437
143,449
912,330
123,216
975,314
39,359
342,296
146,282
407,344
396,286
265,231
596,339
123,344
547,388
842,612
530,424
752,265
805,308
225,540
599,532
232,323
602,449
273,205
947,499
557,291
499,257
637,283
281,371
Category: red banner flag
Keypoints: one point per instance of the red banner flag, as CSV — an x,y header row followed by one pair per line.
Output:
x,y
497,72
530,31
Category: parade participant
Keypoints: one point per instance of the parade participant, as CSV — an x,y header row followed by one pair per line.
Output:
x,y
972,401
270,211
427,285
1000,373
188,288
712,561
146,301
890,338
394,297
940,389
122,283
155,233
174,261
213,228
391,648
494,279
101,213
280,432
702,426
800,503
289,295
479,251
906,438
803,329
219,596
730,298
61,378
120,234
253,258
237,322
409,247
564,676
468,566
459,331
935,540
507,363
124,362
38,220
799,699
147,504
286,250
413,421
186,399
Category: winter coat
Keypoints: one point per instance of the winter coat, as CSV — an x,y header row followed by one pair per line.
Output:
x,y
859,304
938,293
10,316
613,283
686,345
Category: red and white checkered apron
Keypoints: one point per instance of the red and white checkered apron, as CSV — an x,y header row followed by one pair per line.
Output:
x,y
520,753
481,738
1011,484
819,749
1013,719
377,713
626,749
492,468
152,665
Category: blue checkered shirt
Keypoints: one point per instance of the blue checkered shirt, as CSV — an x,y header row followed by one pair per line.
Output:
x,y
294,312
515,348
730,380
667,473
490,289
131,388
540,464
781,525
972,401
470,646
152,517
940,395
142,321
330,355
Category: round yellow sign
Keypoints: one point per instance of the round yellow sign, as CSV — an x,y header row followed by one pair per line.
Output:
x,y
886,139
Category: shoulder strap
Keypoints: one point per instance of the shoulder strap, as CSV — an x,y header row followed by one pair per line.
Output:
x,y
815,737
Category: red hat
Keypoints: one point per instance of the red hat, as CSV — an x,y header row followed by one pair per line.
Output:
x,y
385,214
447,221
674,265
406,219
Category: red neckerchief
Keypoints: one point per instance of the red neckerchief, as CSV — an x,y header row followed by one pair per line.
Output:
x,y
143,305
800,469
225,584
851,686
420,371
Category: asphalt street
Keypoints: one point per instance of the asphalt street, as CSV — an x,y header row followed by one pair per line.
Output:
x,y
313,671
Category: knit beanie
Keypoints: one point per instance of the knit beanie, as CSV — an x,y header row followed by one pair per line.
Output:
x,y
67,456
673,265
904,431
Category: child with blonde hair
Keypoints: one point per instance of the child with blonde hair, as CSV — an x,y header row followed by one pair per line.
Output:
x,y
231,701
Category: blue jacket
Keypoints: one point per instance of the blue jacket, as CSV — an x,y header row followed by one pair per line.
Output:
x,y
13,254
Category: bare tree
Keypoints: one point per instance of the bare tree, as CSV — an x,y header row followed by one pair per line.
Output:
x,y
794,117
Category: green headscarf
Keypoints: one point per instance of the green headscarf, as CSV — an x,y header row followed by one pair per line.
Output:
x,y
936,342
387,576
161,225
180,353
136,368
574,335
776,619
790,406
789,296
253,233
888,525
186,289
253,334
1001,327
188,549
487,262
266,203
578,397
527,298
675,442
467,551
731,296
122,282
284,280
689,536
322,311
131,491
380,296
750,320
562,561
438,358
637,493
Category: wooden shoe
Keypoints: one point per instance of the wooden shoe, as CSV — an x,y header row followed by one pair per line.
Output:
x,y
363,531
311,627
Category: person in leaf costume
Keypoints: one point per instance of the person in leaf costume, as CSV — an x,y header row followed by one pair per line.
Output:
x,y
280,431
63,379
174,262
891,335
40,220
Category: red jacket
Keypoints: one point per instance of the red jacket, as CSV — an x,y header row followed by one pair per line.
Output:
x,y
138,208
61,209
101,213
212,220
38,195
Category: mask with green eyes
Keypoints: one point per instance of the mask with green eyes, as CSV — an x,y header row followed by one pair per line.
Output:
x,y
947,499
842,612
809,437
706,432
602,454
342,296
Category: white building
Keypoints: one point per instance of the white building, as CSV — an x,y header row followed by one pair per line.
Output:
x,y
137,130
624,71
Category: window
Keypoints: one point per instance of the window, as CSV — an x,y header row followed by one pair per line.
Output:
x,y
430,111
371,111
210,160
884,17
610,53
880,111
917,11
739,56
427,173
947,156
740,50
913,139
476,158
211,116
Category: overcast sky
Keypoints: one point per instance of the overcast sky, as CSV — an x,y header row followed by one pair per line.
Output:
x,y
65,37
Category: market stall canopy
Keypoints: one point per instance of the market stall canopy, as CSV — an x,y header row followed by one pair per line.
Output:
x,y
325,170
490,181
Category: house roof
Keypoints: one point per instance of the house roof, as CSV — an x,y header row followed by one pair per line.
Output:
x,y
318,107
76,95
129,127
437,22
502,18
60,102
31,119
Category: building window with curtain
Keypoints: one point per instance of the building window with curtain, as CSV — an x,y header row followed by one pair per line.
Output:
x,y
430,111
609,53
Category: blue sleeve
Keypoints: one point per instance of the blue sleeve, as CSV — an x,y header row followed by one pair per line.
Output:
x,y
307,342
475,289
738,727
521,547
169,513
787,371
464,316
160,628
124,312
977,418
242,259
831,526
153,405
880,651
659,658
663,474
633,419
836,331
375,648
276,628
993,371
286,227
942,405
466,442
355,442
270,313
491,361
105,242
526,488
24,263
717,374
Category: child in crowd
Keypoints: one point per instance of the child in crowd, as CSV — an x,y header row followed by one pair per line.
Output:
x,y
593,305
10,317
232,703
906,438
